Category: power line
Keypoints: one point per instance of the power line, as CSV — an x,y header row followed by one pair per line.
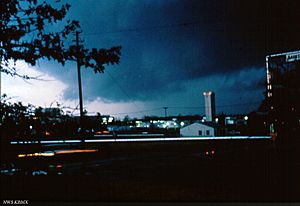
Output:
x,y
201,107
161,108
142,29
228,105
120,87
136,112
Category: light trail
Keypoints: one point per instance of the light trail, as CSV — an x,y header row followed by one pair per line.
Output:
x,y
152,139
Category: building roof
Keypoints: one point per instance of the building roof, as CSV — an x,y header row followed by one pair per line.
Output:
x,y
200,123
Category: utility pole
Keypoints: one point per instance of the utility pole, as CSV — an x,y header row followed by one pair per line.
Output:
x,y
81,123
165,108
79,81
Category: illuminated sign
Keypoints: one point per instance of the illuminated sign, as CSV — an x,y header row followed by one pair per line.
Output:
x,y
292,57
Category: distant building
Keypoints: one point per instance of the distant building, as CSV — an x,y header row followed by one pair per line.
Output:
x,y
210,108
166,124
107,119
142,124
229,120
283,92
198,129
49,112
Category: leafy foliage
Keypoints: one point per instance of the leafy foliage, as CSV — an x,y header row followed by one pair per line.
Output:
x,y
13,117
24,36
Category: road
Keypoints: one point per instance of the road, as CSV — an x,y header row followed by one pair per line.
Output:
x,y
231,171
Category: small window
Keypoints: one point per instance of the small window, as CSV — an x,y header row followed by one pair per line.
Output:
x,y
200,133
207,132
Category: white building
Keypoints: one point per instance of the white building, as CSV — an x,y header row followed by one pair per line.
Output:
x,y
197,129
210,108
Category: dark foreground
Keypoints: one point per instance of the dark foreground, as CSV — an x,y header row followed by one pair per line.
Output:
x,y
236,171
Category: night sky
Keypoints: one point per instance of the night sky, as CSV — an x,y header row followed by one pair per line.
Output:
x,y
173,51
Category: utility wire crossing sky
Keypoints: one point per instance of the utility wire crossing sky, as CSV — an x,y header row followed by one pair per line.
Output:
x,y
172,51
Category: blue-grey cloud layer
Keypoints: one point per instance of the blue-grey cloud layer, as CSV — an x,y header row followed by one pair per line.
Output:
x,y
172,42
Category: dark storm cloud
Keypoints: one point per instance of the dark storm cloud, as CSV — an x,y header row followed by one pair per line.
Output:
x,y
177,41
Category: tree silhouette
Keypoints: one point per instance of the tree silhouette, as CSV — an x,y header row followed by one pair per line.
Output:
x,y
25,35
